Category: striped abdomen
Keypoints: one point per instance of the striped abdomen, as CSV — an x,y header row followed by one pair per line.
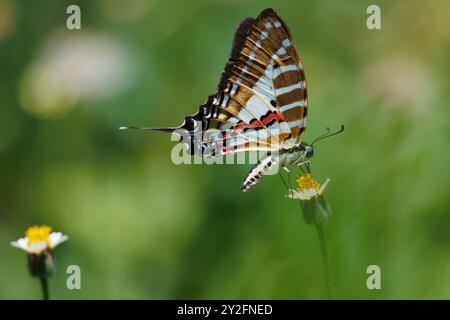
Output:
x,y
263,167
271,163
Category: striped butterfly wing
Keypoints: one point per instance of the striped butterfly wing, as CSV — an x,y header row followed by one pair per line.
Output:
x,y
261,100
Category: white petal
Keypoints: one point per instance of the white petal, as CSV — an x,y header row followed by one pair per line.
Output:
x,y
323,186
37,247
22,243
312,192
293,194
56,238
305,195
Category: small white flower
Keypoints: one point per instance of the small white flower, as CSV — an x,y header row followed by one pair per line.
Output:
x,y
308,188
39,239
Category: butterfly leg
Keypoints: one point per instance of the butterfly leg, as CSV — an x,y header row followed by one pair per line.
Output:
x,y
289,176
305,166
288,183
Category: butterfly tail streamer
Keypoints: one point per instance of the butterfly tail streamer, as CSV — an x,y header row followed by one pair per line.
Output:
x,y
168,129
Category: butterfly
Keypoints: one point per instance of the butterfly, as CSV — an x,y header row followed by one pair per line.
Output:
x,y
260,104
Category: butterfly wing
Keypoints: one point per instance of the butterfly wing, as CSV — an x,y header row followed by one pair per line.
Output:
x,y
261,99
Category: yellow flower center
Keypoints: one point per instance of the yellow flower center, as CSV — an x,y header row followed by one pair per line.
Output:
x,y
38,234
307,182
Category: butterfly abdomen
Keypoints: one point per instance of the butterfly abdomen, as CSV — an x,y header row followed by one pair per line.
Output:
x,y
262,168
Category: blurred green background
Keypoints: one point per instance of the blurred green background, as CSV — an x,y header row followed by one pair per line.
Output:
x,y
141,227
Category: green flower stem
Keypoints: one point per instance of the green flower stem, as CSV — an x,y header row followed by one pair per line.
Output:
x,y
325,259
316,212
44,285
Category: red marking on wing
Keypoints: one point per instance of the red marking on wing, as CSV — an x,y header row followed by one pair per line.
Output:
x,y
256,123
241,126
272,116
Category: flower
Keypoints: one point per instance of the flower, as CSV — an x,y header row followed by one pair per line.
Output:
x,y
308,188
39,239
314,207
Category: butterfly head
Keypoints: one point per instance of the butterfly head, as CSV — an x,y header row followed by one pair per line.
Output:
x,y
298,154
309,151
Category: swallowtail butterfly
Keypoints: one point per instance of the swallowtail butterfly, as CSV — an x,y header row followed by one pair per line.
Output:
x,y
260,103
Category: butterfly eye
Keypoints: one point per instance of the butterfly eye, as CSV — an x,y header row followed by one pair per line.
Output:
x,y
309,152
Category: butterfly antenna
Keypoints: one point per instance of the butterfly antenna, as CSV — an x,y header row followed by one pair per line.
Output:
x,y
328,134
